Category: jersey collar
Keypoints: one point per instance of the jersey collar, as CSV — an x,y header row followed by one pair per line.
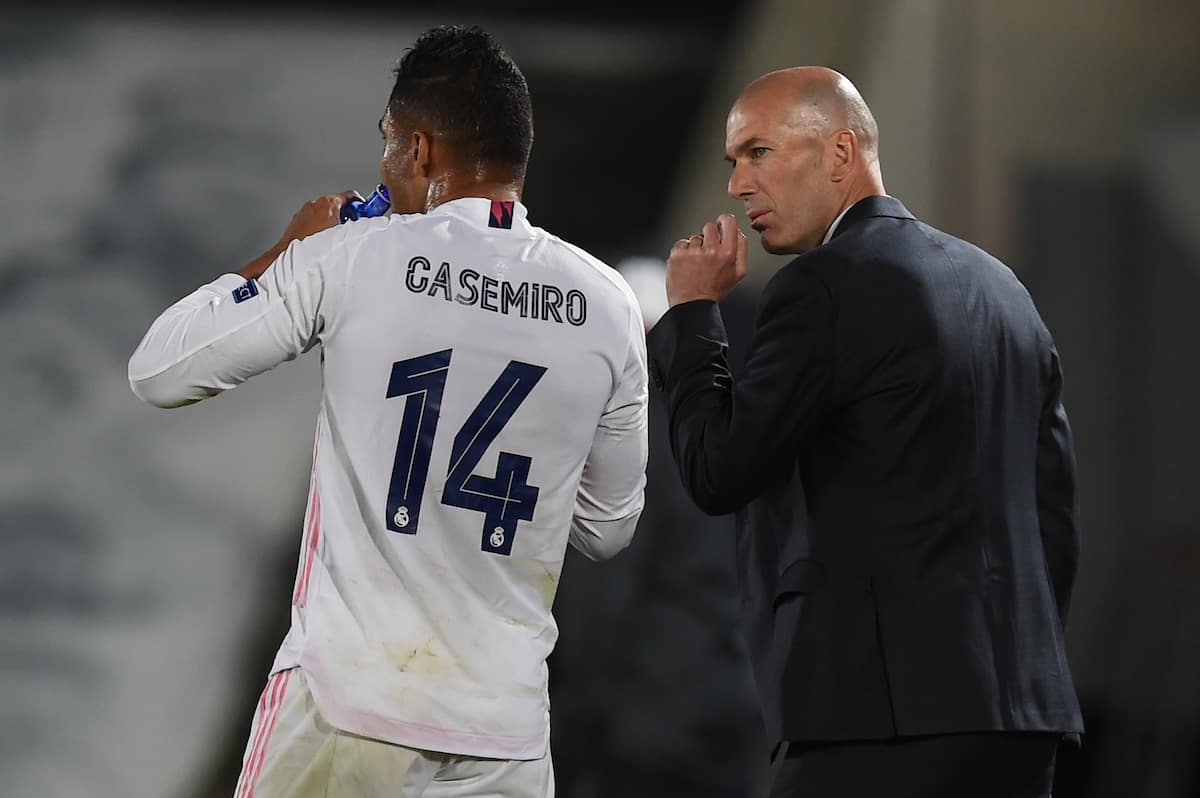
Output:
x,y
484,212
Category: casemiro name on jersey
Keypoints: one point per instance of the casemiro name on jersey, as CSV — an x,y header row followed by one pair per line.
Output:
x,y
542,301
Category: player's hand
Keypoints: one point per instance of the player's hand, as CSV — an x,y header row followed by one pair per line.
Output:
x,y
709,264
316,215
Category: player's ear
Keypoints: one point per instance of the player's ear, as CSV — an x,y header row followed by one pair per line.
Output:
x,y
420,145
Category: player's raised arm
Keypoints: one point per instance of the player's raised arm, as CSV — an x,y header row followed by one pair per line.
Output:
x,y
243,324
612,488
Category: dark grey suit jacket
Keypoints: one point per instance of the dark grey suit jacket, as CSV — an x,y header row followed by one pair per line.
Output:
x,y
907,379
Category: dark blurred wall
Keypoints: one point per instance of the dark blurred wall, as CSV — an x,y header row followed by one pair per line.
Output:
x,y
1116,283
139,545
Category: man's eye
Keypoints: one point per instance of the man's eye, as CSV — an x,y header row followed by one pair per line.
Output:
x,y
759,152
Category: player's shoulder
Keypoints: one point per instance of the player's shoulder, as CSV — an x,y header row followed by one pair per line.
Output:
x,y
394,222
366,235
345,235
403,223
587,267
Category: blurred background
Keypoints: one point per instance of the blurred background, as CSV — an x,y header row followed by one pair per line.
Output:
x,y
147,557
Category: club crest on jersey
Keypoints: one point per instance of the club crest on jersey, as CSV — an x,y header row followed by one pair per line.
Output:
x,y
501,215
248,290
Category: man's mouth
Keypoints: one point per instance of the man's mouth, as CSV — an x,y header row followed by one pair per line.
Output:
x,y
755,217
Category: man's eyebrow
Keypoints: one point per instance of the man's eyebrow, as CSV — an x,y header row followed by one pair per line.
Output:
x,y
748,144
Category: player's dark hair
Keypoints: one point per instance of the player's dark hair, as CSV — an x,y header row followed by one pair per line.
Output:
x,y
460,80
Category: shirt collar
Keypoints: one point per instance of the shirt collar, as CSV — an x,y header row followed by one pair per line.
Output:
x,y
833,227
484,212
874,205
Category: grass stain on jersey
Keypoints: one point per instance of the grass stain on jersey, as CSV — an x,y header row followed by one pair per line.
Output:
x,y
546,584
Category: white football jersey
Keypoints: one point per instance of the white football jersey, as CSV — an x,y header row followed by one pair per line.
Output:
x,y
484,401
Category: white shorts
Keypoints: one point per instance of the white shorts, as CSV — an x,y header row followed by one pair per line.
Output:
x,y
294,753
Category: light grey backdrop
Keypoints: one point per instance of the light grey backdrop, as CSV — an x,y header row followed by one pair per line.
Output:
x,y
140,159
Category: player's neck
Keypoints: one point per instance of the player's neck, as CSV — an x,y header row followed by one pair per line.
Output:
x,y
506,189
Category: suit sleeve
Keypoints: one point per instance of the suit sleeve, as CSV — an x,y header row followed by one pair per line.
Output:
x,y
731,438
612,487
231,329
1057,496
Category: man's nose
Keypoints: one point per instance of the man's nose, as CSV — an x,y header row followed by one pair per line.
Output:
x,y
740,186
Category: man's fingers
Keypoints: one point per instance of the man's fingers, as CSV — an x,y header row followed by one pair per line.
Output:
x,y
345,198
729,233
340,199
741,259
707,265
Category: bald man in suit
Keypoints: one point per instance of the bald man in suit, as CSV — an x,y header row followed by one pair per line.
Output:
x,y
908,378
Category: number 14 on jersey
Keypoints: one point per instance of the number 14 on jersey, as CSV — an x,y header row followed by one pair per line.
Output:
x,y
504,499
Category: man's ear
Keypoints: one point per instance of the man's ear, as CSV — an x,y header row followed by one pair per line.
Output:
x,y
845,153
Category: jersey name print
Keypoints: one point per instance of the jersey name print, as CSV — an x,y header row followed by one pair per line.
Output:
x,y
531,300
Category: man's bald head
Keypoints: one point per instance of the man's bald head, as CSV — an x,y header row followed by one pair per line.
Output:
x,y
821,99
804,147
